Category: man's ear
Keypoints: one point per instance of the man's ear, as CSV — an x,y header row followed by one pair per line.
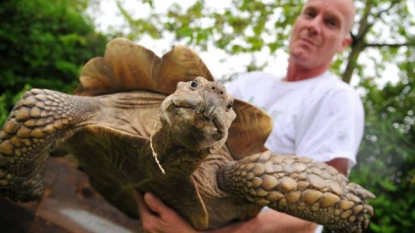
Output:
x,y
345,43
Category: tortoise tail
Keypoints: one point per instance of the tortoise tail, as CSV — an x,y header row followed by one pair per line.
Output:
x,y
36,125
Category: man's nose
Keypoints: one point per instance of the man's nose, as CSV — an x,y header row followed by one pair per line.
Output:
x,y
314,25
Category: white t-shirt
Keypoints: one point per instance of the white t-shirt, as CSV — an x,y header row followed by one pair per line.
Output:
x,y
321,117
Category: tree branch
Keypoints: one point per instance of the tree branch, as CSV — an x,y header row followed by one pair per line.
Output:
x,y
357,45
393,3
378,45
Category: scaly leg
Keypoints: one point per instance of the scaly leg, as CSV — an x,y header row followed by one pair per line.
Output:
x,y
297,186
37,123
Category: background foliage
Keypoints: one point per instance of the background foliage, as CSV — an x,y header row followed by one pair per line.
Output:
x,y
386,159
45,43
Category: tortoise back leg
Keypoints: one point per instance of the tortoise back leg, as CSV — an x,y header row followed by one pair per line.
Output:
x,y
297,186
35,126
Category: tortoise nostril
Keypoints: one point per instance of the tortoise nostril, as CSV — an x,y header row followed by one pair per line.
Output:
x,y
217,88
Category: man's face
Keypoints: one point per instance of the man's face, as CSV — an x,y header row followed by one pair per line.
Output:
x,y
320,31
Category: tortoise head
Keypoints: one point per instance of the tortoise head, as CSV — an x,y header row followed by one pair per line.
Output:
x,y
198,114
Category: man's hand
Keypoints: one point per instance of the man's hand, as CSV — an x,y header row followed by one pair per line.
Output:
x,y
158,218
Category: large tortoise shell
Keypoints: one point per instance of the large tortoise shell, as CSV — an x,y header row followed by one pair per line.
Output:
x,y
130,67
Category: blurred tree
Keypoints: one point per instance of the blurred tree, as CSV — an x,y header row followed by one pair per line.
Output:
x,y
384,35
43,44
386,164
383,31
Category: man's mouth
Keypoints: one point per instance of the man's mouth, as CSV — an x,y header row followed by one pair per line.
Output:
x,y
310,42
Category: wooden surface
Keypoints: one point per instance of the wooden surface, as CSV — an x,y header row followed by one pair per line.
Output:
x,y
69,205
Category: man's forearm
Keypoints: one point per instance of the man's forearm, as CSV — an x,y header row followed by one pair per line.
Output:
x,y
269,221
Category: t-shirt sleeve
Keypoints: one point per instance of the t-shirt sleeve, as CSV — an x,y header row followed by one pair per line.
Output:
x,y
332,128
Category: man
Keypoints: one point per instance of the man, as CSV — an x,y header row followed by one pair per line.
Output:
x,y
315,114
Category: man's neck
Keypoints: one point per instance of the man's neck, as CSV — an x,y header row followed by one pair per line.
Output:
x,y
296,72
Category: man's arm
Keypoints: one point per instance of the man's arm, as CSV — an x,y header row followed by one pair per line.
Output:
x,y
341,164
269,221
157,217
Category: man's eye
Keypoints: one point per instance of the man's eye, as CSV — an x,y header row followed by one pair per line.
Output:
x,y
331,22
310,14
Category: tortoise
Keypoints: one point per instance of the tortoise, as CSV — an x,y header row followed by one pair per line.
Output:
x,y
164,125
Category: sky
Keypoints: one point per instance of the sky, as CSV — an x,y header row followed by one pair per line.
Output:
x,y
108,16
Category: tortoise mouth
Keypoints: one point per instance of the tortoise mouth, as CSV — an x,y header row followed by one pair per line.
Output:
x,y
193,130
200,116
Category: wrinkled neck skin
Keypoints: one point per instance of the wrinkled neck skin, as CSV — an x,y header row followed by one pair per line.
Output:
x,y
175,160
298,72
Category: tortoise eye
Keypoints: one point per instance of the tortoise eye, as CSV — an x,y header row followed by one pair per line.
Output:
x,y
193,84
230,105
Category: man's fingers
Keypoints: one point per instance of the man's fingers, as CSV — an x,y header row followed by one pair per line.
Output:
x,y
142,207
150,204
157,217
155,204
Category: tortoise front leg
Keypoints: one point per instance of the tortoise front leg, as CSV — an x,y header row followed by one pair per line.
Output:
x,y
297,186
37,123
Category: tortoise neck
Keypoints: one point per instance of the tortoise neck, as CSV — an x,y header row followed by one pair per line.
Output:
x,y
172,158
